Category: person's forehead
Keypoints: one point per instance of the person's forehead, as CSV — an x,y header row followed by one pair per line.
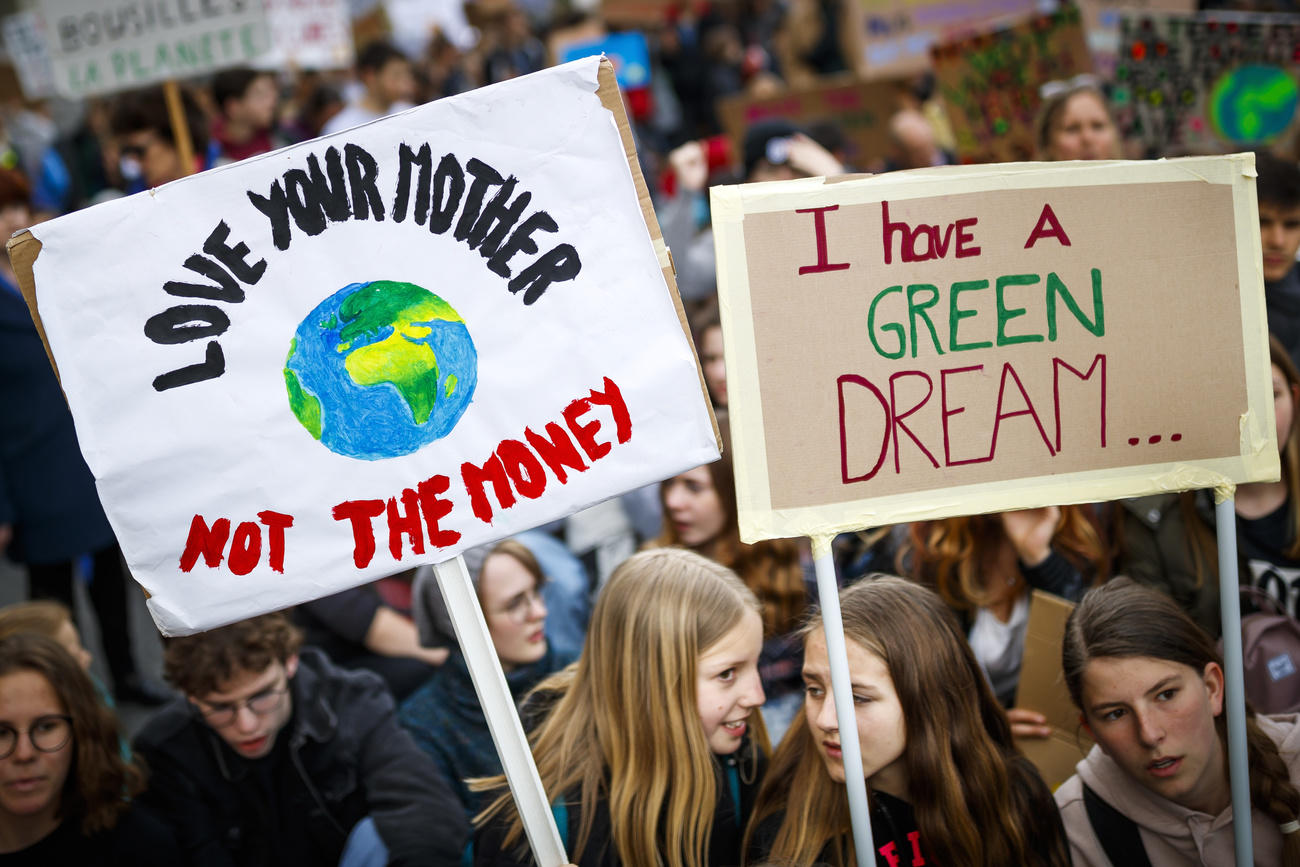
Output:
x,y
1275,211
244,684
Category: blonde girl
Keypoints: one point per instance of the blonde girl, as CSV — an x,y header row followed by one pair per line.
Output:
x,y
651,749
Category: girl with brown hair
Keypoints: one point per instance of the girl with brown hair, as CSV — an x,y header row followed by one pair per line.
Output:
x,y
65,790
945,782
1149,687
985,567
650,749
699,508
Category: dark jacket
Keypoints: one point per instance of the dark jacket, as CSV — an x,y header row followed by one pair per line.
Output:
x,y
738,777
898,839
447,722
340,757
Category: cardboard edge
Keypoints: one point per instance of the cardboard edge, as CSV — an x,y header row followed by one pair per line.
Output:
x,y
23,249
612,100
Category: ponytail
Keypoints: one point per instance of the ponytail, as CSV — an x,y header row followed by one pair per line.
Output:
x,y
1271,789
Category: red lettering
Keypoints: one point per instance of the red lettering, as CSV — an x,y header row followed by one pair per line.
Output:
x,y
276,523
360,513
945,414
964,238
245,548
1045,219
210,542
435,508
914,837
585,433
523,468
899,416
557,452
819,230
890,851
613,398
1007,369
1057,364
844,437
492,471
404,523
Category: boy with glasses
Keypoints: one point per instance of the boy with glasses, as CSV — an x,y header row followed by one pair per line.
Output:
x,y
277,757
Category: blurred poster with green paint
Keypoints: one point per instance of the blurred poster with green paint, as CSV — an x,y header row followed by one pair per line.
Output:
x,y
1187,84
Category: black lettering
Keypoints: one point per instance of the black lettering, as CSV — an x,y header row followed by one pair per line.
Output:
x,y
504,217
362,173
212,366
484,176
406,159
521,242
308,212
275,207
235,258
448,187
559,264
186,322
227,289
332,193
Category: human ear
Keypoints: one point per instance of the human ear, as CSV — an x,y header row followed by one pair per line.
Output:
x,y
291,666
1213,678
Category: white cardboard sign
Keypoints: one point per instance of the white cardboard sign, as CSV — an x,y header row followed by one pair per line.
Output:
x,y
372,350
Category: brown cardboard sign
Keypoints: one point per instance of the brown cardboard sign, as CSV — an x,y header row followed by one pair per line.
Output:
x,y
861,108
990,83
972,339
894,37
1042,688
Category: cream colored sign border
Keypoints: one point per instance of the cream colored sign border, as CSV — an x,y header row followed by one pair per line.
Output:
x,y
1258,459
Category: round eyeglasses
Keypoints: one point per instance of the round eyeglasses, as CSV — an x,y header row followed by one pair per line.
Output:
x,y
49,734
261,704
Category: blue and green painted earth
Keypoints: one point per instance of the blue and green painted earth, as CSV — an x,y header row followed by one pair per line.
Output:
x,y
380,369
1253,104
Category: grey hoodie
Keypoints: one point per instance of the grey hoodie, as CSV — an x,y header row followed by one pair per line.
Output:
x,y
1172,835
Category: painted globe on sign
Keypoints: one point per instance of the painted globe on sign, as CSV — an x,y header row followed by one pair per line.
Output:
x,y
380,370
1253,104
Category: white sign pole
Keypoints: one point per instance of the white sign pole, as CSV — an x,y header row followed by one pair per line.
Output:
x,y
499,708
1225,523
828,595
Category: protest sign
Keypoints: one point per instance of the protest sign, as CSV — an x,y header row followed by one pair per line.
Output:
x,y
29,51
308,34
372,350
973,339
1101,25
1208,82
628,51
990,83
98,49
861,109
895,36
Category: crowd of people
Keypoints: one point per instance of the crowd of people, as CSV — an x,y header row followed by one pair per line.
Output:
x,y
677,699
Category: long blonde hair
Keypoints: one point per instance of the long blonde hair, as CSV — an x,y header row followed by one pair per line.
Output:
x,y
969,801
626,726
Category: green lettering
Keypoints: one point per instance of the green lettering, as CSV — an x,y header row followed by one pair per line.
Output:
x,y
914,308
957,314
1006,314
892,327
1055,287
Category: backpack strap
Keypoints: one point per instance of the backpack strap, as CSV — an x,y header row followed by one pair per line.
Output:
x,y
560,811
1118,834
733,783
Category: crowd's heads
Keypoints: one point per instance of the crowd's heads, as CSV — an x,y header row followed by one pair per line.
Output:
x,y
1076,123
246,96
386,73
766,150
45,617
912,140
60,733
203,663
142,125
509,587
1277,187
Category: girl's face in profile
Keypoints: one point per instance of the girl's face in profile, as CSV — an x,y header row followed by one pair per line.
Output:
x,y
882,735
1155,719
1284,403
728,688
692,503
513,609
